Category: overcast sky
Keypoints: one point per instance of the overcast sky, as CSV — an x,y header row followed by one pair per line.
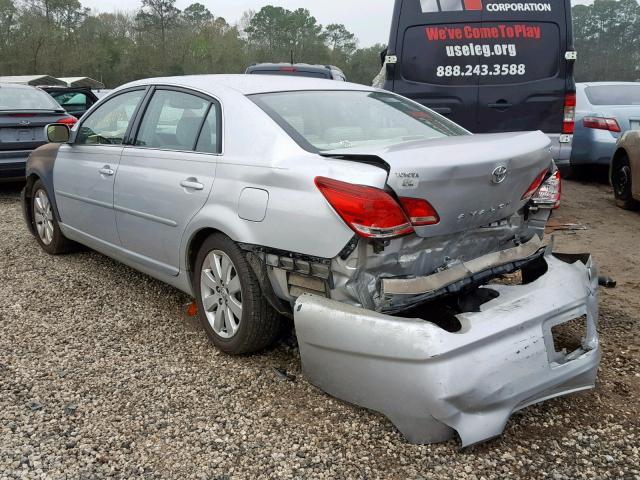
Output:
x,y
368,19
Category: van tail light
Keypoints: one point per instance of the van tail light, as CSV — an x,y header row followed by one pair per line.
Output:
x,y
601,123
535,185
419,211
569,122
368,211
550,191
69,120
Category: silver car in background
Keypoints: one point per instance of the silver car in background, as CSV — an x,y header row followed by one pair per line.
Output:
x,y
604,111
407,251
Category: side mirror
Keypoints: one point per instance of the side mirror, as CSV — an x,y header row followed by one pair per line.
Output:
x,y
57,133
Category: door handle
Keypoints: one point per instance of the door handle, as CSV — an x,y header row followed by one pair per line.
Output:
x,y
192,184
106,170
500,105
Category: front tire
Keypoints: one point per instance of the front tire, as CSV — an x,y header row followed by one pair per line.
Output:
x,y
232,309
622,187
46,227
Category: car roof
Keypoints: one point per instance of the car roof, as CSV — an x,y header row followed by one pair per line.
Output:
x,y
250,84
17,86
304,66
605,84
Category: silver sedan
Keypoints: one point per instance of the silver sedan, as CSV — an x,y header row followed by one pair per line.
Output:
x,y
383,229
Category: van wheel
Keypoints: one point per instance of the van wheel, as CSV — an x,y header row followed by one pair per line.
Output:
x,y
621,182
233,312
48,233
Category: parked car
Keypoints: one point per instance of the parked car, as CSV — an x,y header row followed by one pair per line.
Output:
x,y
24,112
604,111
381,227
75,100
329,72
624,171
489,65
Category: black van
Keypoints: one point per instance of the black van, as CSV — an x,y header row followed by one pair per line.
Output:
x,y
489,65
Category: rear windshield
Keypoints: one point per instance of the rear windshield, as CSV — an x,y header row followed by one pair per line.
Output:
x,y
25,98
488,53
295,73
329,120
614,95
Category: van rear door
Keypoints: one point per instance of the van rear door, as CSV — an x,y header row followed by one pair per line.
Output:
x,y
524,47
489,65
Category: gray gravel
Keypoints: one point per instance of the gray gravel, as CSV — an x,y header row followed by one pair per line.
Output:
x,y
102,374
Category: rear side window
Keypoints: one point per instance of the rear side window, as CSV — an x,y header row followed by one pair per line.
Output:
x,y
172,121
614,95
210,136
489,53
109,122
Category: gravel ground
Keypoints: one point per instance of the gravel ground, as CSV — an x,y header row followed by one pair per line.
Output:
x,y
102,374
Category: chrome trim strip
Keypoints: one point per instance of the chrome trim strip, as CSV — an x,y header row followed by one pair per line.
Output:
x,y
146,216
84,199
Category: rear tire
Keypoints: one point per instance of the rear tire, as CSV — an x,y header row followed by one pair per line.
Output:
x,y
234,313
45,224
621,180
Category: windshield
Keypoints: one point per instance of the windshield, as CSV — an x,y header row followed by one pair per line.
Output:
x,y
18,97
329,120
614,95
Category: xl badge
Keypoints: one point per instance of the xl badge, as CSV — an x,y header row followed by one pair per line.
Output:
x,y
499,175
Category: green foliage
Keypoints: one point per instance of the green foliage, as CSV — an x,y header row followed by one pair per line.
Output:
x,y
61,38
607,38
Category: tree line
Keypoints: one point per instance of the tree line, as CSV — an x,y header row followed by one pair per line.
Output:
x,y
62,38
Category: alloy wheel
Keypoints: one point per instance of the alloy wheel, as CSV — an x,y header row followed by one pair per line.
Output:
x,y
43,216
221,294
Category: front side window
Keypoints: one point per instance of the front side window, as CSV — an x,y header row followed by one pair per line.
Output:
x,y
108,124
172,121
329,120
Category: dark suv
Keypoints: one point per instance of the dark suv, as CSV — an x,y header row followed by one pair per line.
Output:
x,y
489,65
299,70
75,100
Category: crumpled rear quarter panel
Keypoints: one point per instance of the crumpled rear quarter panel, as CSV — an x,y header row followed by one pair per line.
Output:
x,y
432,383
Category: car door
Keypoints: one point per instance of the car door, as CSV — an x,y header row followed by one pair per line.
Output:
x,y
165,177
85,169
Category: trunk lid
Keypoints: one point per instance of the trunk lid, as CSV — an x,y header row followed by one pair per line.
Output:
x,y
462,177
22,130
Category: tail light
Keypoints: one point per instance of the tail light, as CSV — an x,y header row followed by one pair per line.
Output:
x,y
69,120
601,123
368,211
288,69
535,185
419,211
568,125
550,191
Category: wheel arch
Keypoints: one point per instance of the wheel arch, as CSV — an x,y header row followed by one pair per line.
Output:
x,y
618,156
193,247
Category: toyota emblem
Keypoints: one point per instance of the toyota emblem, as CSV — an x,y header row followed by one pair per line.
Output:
x,y
499,175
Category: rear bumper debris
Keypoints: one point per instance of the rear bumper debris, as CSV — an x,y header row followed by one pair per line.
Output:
x,y
432,383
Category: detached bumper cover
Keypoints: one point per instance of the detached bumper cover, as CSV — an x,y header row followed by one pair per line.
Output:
x,y
432,383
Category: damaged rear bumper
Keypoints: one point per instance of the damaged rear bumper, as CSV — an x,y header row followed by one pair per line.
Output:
x,y
432,383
